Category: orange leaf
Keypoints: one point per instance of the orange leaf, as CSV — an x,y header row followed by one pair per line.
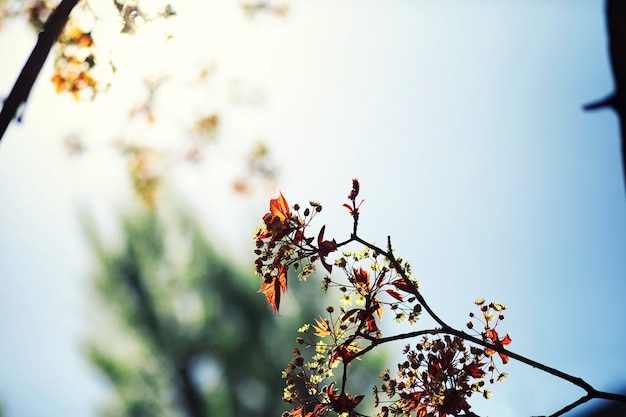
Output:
x,y
321,327
58,81
421,410
273,287
84,40
298,412
277,221
279,207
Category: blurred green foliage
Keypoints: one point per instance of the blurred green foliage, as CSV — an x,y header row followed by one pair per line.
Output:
x,y
180,331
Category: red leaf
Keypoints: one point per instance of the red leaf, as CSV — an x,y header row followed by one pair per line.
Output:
x,y
492,335
368,317
394,294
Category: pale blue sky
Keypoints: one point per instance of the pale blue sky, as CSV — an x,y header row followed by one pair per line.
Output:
x,y
463,121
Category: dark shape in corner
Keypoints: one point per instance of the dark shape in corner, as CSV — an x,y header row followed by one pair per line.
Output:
x,y
616,23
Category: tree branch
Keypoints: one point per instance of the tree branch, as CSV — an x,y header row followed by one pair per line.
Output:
x,y
447,329
25,81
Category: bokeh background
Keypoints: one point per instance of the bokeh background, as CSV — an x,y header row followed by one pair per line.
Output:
x,y
461,119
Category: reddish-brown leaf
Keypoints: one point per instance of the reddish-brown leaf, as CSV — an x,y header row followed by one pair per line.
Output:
x,y
474,369
347,315
355,189
395,294
342,403
324,248
344,352
402,285
361,276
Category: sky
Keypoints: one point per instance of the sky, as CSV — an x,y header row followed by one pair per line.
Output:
x,y
461,119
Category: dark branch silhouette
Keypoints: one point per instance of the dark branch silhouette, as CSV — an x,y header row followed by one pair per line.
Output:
x,y
616,26
25,81
284,233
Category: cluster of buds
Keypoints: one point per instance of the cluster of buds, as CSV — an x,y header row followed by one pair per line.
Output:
x,y
439,374
492,314
436,379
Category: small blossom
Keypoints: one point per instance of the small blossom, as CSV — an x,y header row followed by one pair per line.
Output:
x,y
346,299
321,347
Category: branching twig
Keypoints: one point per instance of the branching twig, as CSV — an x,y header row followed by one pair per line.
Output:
x,y
592,393
444,382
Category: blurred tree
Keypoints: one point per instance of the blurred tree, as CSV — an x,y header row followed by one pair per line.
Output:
x,y
79,36
181,331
